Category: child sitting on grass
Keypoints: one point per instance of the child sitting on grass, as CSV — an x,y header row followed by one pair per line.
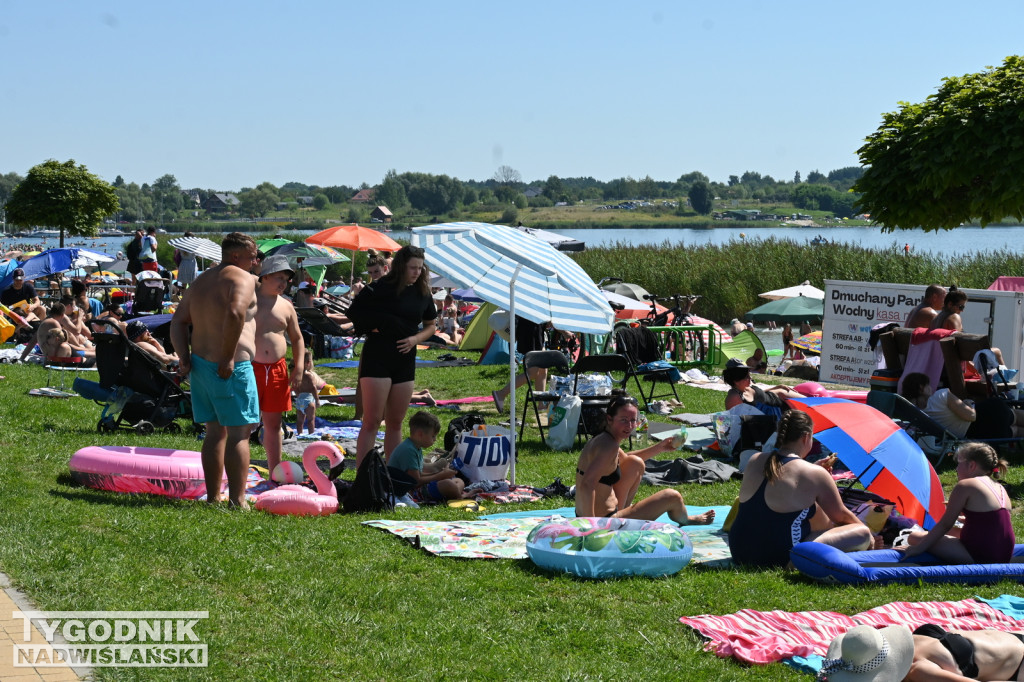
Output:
x,y
308,398
408,472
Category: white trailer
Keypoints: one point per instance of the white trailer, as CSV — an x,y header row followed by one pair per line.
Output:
x,y
853,308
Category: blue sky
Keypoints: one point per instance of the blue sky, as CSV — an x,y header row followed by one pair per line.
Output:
x,y
227,94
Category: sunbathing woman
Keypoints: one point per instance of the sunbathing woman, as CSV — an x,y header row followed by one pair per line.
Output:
x,y
785,500
987,533
771,401
990,418
607,478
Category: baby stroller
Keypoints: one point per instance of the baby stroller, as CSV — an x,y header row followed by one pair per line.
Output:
x,y
137,393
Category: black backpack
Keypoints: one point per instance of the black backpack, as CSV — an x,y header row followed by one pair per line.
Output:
x,y
372,490
457,426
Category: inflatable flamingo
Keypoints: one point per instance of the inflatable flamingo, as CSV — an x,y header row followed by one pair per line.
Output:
x,y
301,501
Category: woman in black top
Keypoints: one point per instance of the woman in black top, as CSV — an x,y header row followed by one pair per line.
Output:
x,y
390,313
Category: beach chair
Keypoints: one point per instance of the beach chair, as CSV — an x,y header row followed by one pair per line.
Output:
x,y
592,415
549,360
640,346
916,422
317,326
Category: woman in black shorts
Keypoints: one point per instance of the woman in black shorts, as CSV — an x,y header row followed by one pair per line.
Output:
x,y
389,312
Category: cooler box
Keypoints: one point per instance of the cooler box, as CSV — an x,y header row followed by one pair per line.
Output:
x,y
884,380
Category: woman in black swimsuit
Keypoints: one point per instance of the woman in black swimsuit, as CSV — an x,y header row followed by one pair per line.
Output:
x,y
607,478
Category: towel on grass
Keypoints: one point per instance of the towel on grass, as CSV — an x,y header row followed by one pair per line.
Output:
x,y
338,430
503,536
763,637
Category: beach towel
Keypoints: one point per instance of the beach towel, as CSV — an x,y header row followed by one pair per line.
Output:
x,y
762,637
503,536
336,430
692,470
924,355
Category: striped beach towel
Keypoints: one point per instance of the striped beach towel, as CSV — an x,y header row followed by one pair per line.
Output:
x,y
762,637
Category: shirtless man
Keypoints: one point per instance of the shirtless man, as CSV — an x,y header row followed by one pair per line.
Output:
x,y
73,322
925,312
221,308
276,320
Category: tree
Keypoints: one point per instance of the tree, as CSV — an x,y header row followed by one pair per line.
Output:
x,y
816,178
701,197
955,157
506,175
796,178
62,195
320,201
259,201
391,192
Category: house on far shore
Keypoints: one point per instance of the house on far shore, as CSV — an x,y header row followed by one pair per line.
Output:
x,y
363,196
305,201
382,214
531,192
743,214
221,202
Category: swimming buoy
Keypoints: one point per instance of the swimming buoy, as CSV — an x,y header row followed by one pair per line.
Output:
x,y
608,547
128,469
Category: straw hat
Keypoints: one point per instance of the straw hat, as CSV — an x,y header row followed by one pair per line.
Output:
x,y
864,654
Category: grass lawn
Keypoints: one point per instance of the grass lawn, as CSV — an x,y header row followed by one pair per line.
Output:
x,y
326,598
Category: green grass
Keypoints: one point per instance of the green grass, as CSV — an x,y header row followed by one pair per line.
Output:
x,y
326,598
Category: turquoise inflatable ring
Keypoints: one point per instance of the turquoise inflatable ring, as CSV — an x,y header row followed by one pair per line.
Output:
x,y
608,547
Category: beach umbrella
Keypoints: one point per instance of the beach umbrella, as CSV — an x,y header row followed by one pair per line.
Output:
x,y
466,295
518,273
439,282
354,238
883,456
633,291
809,342
49,262
298,252
802,289
795,309
90,259
265,245
198,246
338,290
76,272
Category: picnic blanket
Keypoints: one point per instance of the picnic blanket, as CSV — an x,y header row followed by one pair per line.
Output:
x,y
763,637
503,536
337,430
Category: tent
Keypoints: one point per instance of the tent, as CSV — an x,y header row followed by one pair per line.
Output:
x,y
1007,284
478,333
496,352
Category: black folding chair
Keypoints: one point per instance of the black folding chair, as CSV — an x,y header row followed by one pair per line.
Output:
x,y
639,345
316,325
543,359
592,416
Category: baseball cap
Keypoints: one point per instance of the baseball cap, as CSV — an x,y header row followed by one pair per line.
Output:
x,y
17,272
135,329
274,264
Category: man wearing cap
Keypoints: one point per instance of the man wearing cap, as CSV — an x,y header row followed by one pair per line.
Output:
x,y
139,334
220,306
276,325
21,296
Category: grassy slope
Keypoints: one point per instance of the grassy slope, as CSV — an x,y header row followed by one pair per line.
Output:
x,y
325,598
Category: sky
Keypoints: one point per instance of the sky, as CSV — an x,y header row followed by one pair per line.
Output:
x,y
226,94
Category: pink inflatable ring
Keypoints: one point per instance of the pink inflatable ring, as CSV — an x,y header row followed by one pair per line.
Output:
x,y
128,469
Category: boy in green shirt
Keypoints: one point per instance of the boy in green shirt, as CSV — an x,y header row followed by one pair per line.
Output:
x,y
408,472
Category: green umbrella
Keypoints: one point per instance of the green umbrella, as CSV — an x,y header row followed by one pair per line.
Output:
x,y
265,245
794,309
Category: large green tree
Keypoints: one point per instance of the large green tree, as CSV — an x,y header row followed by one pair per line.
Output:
x,y
65,196
957,156
701,197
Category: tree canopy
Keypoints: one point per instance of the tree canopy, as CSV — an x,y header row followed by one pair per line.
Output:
x,y
65,196
701,197
957,156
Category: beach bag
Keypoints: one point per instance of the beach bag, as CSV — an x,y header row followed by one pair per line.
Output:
x,y
372,490
483,454
563,422
457,426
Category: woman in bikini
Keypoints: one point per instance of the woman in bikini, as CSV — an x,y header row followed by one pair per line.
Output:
x,y
987,533
607,477
785,500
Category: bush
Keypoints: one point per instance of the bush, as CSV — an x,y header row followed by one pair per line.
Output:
x,y
510,215
540,201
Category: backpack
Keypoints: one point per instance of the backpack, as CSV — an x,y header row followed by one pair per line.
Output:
x,y
372,490
457,426
134,249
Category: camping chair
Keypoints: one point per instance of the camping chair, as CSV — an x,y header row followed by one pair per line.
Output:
x,y
317,325
545,359
957,349
592,416
639,346
993,376
913,419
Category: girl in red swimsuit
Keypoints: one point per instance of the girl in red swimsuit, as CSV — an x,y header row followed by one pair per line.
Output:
x,y
987,533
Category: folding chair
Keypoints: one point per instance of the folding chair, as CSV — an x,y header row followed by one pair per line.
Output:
x,y
543,359
907,414
639,346
317,325
592,420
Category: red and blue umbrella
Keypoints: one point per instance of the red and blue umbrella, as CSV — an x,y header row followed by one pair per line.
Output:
x,y
881,454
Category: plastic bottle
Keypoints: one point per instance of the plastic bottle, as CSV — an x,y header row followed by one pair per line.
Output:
x,y
679,440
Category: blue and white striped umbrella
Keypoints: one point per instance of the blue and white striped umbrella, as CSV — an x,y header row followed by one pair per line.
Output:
x,y
550,286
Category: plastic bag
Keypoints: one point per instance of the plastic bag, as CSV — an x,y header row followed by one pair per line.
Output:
x,y
563,420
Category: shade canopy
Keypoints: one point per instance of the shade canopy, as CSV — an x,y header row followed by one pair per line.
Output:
x,y
797,309
802,289
199,246
881,454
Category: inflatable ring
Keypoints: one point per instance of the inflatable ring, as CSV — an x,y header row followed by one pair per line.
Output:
x,y
827,564
608,547
172,473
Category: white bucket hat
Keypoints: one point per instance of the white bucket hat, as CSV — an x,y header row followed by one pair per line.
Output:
x,y
864,654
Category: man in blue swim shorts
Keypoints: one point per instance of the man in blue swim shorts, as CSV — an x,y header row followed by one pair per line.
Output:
x,y
220,307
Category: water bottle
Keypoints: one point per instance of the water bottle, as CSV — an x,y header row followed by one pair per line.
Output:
x,y
679,440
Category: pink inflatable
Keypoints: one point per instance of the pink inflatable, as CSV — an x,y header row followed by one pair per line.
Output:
x,y
813,389
299,500
122,469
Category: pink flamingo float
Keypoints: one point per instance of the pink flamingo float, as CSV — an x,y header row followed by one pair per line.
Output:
x,y
299,500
